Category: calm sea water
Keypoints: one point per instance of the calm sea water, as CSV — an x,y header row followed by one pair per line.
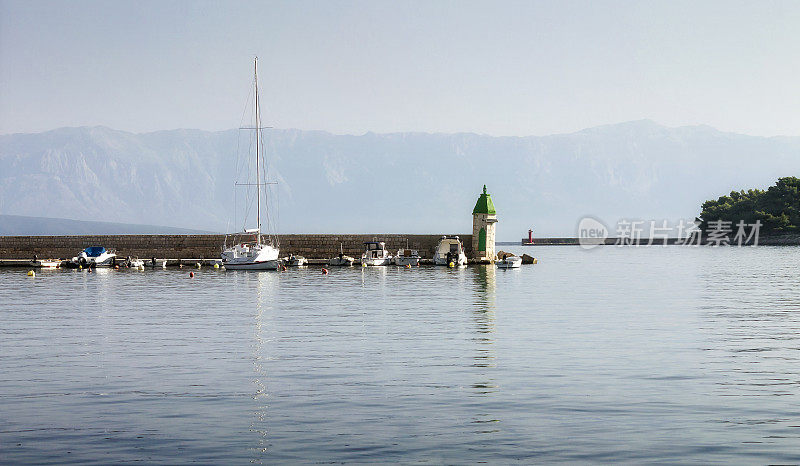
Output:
x,y
617,354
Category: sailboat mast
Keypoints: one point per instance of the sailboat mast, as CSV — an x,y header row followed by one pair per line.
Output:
x,y
258,147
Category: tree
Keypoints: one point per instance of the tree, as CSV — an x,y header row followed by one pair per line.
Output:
x,y
778,208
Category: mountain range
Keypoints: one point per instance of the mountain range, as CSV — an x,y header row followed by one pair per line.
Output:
x,y
11,225
384,183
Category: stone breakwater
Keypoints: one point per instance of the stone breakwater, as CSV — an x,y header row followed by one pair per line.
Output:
x,y
317,246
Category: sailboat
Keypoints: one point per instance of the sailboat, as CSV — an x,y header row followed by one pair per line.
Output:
x,y
248,249
341,260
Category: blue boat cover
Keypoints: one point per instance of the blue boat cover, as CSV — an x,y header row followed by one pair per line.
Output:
x,y
94,251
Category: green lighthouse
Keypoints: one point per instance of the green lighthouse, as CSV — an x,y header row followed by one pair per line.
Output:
x,y
484,221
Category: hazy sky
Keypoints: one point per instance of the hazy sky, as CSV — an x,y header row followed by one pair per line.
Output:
x,y
501,68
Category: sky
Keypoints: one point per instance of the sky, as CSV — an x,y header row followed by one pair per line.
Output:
x,y
498,68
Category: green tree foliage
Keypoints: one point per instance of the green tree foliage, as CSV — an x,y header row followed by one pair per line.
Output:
x,y
778,208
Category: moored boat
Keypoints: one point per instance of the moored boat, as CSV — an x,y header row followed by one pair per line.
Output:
x,y
295,261
450,251
249,253
341,260
407,257
250,250
376,254
46,263
94,256
509,262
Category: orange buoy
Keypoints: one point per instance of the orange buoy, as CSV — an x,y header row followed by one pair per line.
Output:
x,y
191,274
324,271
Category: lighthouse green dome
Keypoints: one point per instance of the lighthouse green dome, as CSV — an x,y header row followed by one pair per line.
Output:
x,y
484,204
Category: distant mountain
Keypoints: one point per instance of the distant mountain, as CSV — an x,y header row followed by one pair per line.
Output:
x,y
21,225
404,182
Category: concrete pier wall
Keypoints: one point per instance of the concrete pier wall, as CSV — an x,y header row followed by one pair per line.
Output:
x,y
318,246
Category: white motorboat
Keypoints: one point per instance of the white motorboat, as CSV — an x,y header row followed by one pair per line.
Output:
x,y
94,256
341,260
509,262
450,251
376,254
250,250
295,261
46,263
407,257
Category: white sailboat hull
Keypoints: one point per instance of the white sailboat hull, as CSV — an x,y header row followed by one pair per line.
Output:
x,y
265,265
251,257
344,261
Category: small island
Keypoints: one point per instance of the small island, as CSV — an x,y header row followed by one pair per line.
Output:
x,y
776,211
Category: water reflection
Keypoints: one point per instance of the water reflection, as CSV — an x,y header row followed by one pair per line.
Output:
x,y
370,274
483,313
266,289
483,316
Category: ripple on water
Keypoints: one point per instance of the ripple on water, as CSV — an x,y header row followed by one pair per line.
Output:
x,y
615,354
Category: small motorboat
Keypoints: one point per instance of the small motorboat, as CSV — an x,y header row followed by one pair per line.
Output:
x,y
295,261
450,251
376,254
407,257
94,256
509,262
46,263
